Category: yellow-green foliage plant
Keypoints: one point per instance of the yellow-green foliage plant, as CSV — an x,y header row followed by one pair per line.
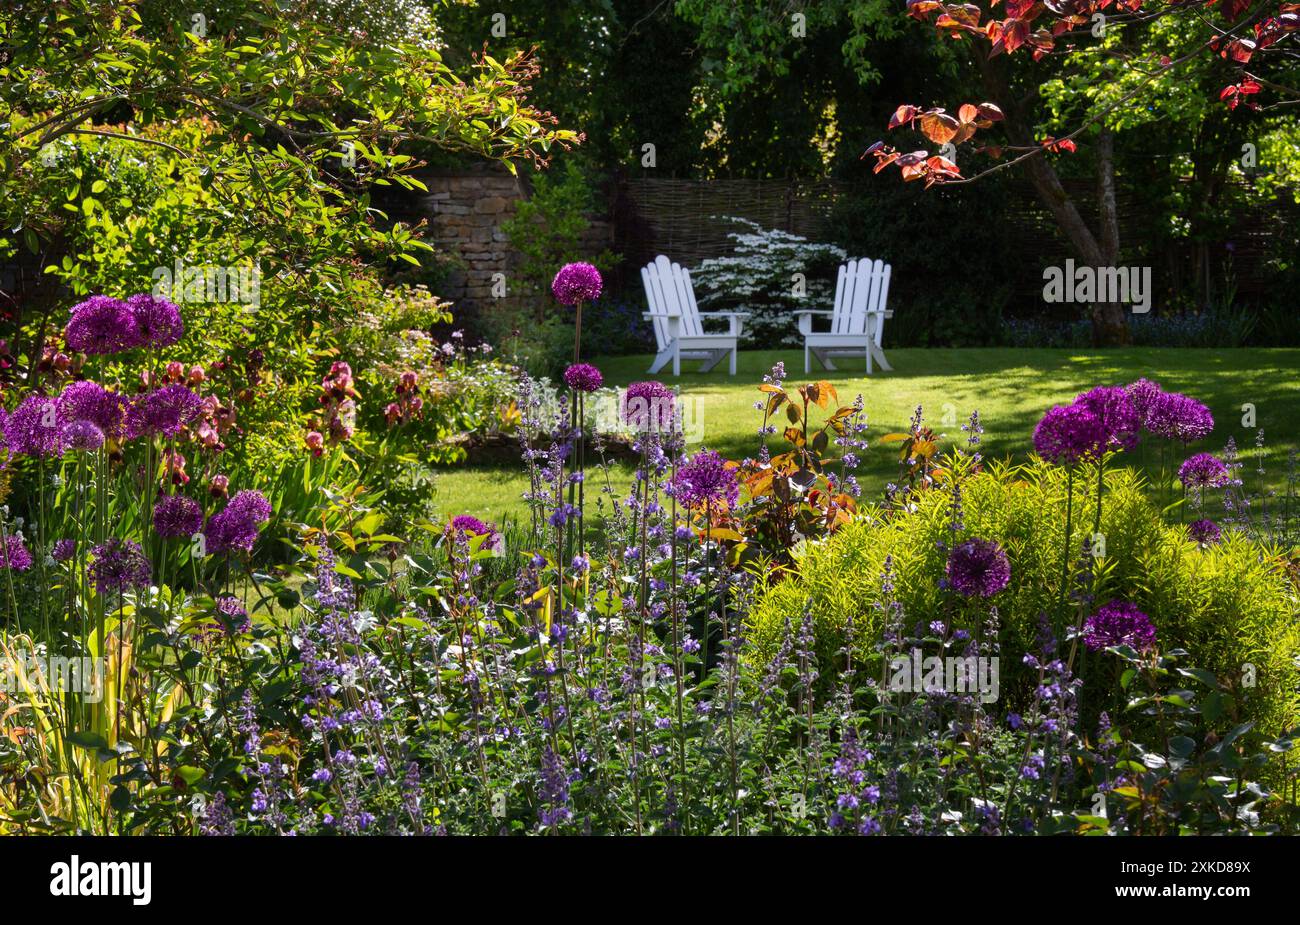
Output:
x,y
1232,606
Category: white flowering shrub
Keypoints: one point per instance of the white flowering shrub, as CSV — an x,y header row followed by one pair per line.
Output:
x,y
772,274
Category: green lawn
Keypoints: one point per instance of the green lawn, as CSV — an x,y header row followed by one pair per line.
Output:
x,y
1011,388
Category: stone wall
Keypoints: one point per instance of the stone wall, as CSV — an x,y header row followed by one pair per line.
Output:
x,y
465,211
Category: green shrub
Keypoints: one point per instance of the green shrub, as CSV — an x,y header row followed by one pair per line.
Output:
x,y
1231,606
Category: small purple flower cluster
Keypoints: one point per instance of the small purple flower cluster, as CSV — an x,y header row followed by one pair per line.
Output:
x,y
1203,531
163,411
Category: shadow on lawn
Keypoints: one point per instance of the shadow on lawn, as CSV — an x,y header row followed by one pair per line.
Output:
x,y
1013,388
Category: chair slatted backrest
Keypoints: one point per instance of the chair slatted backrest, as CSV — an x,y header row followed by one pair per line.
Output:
x,y
655,299
669,292
861,290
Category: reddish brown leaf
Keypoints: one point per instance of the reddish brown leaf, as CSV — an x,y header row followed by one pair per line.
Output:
x,y
942,166
1238,50
902,115
920,9
1232,9
939,127
1015,32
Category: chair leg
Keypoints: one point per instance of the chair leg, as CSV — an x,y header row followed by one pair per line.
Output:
x,y
807,359
661,359
733,361
677,359
868,359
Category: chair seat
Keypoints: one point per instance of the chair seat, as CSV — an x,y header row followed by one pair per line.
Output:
x,y
833,340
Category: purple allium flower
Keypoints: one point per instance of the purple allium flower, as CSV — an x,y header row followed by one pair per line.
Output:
x,y
705,479
576,282
177,516
1177,417
158,322
235,526
83,435
90,401
1143,394
163,411
1069,433
978,568
102,325
14,554
233,616
1205,532
118,565
1119,623
35,428
649,406
583,377
1203,471
63,550
1114,407
471,525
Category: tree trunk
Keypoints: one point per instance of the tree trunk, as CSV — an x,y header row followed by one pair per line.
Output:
x,y
1109,319
1109,322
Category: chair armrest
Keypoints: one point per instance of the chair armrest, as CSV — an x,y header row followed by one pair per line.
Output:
x,y
805,316
735,321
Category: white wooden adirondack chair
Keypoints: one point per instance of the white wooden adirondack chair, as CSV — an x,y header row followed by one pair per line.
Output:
x,y
676,320
857,321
